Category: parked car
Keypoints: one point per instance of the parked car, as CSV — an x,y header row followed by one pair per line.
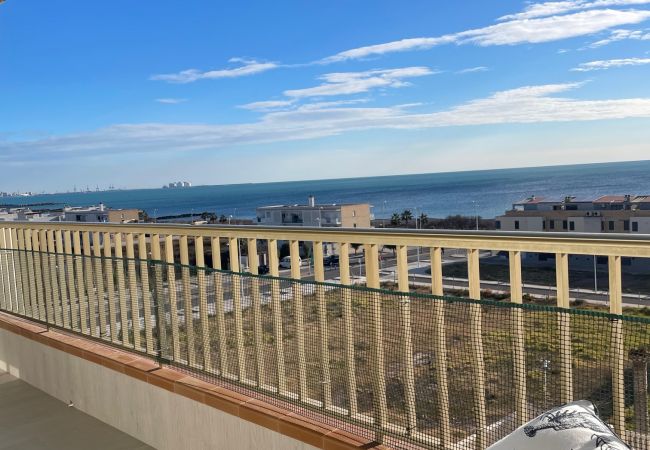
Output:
x,y
331,261
285,263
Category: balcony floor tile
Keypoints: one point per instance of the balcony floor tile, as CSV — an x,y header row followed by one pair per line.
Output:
x,y
31,419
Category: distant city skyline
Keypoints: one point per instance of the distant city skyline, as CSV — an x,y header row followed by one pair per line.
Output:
x,y
137,94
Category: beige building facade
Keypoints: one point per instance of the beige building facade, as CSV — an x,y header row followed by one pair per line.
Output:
x,y
316,215
607,214
101,214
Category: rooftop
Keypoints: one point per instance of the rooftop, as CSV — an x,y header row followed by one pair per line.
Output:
x,y
319,206
311,204
537,200
612,199
533,199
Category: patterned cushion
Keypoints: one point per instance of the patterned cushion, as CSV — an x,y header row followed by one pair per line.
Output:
x,y
574,426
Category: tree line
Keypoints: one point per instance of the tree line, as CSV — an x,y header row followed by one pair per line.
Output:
x,y
453,222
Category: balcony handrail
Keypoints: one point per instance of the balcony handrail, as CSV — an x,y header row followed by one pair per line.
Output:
x,y
366,343
603,244
352,287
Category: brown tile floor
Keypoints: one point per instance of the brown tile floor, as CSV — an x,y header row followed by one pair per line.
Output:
x,y
31,419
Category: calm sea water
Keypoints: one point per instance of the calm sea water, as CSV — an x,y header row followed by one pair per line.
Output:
x,y
488,192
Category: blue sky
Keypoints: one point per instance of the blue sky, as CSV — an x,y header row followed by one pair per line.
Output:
x,y
137,94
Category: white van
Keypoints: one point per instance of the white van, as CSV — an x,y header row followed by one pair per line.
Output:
x,y
285,263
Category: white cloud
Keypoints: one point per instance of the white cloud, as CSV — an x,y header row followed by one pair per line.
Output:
x,y
346,83
551,28
171,101
620,35
276,105
391,47
247,67
609,63
474,69
266,105
529,104
335,104
512,32
562,7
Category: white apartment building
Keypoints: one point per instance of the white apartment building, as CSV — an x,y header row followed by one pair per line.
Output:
x,y
100,214
71,214
27,215
605,214
316,215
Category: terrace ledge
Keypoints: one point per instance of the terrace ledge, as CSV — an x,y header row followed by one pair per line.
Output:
x,y
251,409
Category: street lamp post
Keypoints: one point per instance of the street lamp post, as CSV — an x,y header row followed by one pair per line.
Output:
x,y
546,365
475,204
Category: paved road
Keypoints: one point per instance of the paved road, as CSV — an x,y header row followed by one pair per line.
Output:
x,y
418,275
387,262
537,290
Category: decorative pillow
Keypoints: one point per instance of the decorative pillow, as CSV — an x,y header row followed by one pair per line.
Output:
x,y
574,426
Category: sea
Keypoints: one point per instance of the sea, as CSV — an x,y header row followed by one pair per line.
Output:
x,y
486,193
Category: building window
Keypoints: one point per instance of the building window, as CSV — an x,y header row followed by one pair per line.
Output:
x,y
78,217
516,224
602,226
626,225
543,224
611,225
572,225
635,226
497,224
565,224
551,224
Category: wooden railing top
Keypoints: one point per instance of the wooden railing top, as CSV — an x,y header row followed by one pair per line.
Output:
x,y
605,244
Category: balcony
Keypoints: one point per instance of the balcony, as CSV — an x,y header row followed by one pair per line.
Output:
x,y
383,363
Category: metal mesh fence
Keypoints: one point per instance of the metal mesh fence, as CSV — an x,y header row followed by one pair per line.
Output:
x,y
408,369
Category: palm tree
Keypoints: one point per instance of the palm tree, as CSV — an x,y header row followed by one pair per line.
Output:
x,y
407,216
209,217
395,219
424,219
